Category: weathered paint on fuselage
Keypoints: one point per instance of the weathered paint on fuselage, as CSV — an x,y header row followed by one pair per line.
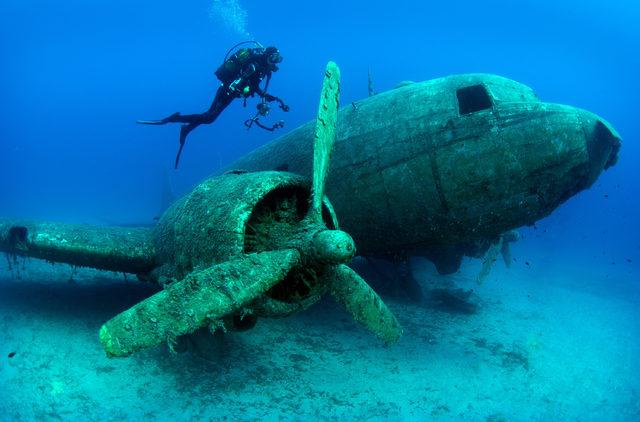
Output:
x,y
411,172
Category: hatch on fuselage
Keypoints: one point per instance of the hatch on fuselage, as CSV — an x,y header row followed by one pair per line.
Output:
x,y
476,93
473,98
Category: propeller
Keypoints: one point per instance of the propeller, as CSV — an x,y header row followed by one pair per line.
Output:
x,y
305,246
325,136
202,297
364,305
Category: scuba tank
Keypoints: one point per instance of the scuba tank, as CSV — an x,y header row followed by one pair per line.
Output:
x,y
233,64
231,68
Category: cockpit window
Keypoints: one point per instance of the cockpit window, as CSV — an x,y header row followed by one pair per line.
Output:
x,y
473,98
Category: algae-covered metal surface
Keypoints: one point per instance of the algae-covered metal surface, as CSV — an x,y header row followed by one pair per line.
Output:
x,y
122,249
438,165
209,225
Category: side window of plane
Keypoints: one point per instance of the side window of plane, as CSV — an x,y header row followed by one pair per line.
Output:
x,y
473,98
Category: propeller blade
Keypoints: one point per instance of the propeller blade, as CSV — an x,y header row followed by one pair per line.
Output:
x,y
363,303
325,135
201,297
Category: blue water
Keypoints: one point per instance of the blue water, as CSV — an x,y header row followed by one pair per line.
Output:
x,y
75,75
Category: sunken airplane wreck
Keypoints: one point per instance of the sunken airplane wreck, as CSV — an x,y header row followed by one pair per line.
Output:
x,y
440,168
240,245
444,168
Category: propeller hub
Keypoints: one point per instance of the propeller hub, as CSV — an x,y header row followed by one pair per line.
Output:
x,y
333,247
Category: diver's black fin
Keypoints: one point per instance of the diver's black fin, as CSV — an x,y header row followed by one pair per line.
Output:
x,y
151,122
169,119
178,156
184,131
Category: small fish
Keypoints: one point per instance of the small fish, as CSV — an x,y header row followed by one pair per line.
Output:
x,y
12,354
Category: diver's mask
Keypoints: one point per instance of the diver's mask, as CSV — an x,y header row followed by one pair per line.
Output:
x,y
273,58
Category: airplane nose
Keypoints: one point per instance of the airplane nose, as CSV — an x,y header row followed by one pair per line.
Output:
x,y
603,143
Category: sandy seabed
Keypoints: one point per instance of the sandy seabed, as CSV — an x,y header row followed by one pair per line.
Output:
x,y
544,345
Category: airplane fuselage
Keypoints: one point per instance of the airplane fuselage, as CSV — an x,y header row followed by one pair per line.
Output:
x,y
449,161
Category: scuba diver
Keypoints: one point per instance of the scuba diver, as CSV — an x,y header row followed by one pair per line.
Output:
x,y
241,74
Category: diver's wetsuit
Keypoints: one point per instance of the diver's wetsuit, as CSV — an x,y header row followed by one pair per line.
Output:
x,y
246,83
224,96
